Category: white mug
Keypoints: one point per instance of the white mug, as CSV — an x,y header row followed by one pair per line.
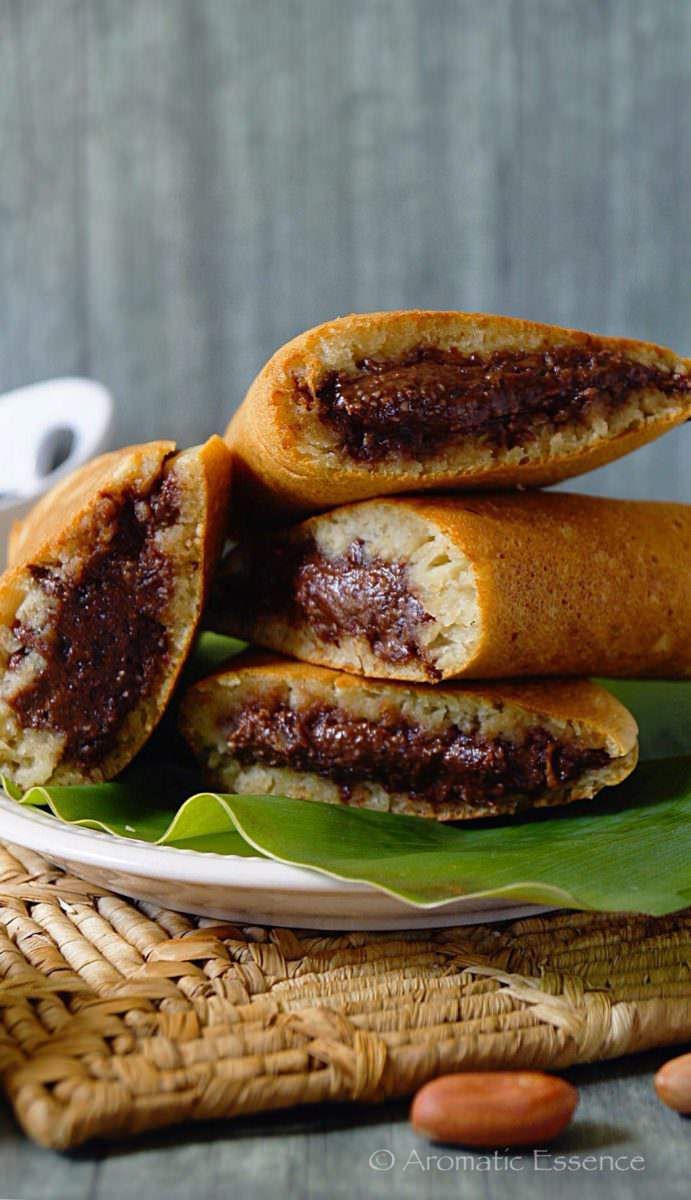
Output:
x,y
47,430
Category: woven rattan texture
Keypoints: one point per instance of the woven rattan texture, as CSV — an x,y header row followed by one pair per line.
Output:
x,y
117,1017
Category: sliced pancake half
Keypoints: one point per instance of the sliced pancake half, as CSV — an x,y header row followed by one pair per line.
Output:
x,y
486,587
270,726
99,607
383,403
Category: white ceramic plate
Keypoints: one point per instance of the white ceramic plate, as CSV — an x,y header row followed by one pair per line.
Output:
x,y
248,891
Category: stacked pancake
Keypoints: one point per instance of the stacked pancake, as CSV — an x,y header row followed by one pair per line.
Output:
x,y
107,581
401,586
424,637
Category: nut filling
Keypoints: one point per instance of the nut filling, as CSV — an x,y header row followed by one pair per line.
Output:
x,y
449,766
348,595
433,397
104,645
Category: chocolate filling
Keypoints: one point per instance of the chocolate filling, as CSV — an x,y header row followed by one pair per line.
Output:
x,y
105,646
349,595
441,768
431,398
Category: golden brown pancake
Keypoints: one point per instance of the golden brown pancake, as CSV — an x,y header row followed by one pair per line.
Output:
x,y
270,726
99,607
383,403
488,586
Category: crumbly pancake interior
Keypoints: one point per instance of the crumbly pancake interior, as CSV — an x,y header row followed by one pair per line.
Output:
x,y
441,408
425,751
432,398
393,591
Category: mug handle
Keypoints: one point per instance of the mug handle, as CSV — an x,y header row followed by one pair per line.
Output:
x,y
70,422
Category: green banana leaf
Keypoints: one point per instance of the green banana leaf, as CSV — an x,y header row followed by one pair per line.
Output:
x,y
627,850
663,711
210,651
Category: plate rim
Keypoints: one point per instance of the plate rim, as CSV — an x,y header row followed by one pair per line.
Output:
x,y
78,845
106,850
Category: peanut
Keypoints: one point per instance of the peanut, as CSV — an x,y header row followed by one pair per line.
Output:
x,y
673,1084
494,1108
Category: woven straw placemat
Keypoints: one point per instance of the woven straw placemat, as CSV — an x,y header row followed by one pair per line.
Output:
x,y
118,1017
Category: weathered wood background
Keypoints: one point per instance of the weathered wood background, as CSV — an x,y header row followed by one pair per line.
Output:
x,y
184,184
187,183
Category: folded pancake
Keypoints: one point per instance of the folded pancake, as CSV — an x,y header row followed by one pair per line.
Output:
x,y
448,752
489,586
383,403
99,607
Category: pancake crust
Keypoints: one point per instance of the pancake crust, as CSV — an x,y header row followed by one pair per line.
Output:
x,y
138,531
288,462
575,713
503,585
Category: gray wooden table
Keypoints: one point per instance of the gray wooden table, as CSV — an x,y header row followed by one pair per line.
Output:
x,y
187,183
623,1145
